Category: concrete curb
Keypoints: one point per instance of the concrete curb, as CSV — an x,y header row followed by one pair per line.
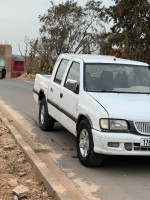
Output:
x,y
53,187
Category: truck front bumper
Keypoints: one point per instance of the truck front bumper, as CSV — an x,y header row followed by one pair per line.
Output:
x,y
111,143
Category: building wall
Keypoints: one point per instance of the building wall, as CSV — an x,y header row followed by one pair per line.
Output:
x,y
6,58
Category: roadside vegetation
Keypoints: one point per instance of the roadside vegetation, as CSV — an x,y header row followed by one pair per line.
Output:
x,y
70,28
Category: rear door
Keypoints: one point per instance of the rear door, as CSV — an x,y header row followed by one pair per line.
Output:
x,y
54,89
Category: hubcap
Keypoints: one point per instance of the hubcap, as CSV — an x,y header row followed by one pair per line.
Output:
x,y
84,143
42,114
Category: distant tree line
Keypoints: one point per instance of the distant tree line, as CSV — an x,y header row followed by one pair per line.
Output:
x,y
70,28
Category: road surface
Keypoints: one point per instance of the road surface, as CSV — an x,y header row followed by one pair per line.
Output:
x,y
119,178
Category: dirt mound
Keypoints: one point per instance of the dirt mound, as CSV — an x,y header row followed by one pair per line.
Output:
x,y
27,77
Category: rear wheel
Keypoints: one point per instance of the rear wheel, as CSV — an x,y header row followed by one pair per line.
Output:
x,y
46,122
85,146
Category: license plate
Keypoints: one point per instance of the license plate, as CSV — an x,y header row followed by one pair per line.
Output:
x,y
145,142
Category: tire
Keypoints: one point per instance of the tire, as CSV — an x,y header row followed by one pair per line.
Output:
x,y
46,122
85,146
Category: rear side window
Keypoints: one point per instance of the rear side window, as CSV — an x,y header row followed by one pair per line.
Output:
x,y
60,71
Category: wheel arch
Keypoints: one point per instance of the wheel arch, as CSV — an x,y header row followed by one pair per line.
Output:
x,y
82,117
41,95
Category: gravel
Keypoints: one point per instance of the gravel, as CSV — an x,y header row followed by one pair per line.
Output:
x,y
16,173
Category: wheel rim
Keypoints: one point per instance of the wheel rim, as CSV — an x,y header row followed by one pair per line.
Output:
x,y
42,114
84,143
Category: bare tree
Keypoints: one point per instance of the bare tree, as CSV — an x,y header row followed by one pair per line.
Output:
x,y
24,48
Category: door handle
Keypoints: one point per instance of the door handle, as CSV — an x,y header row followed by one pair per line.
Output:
x,y
61,95
51,89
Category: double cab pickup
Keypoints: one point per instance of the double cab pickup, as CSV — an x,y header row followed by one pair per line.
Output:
x,y
103,100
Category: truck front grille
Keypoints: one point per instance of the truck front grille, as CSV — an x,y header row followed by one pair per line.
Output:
x,y
137,147
143,127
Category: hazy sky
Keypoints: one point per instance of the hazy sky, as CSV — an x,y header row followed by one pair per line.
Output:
x,y
19,18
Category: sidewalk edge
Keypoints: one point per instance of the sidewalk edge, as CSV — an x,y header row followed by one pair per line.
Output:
x,y
53,187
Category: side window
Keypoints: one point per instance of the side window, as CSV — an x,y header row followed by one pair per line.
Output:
x,y
60,71
73,77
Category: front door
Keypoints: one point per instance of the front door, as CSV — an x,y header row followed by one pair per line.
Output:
x,y
69,97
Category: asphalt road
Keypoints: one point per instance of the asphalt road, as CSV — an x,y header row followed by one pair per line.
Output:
x,y
119,178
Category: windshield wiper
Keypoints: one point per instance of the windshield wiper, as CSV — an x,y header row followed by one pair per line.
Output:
x,y
113,91
107,91
110,91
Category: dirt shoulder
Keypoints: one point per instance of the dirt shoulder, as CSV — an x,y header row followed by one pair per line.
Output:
x,y
18,180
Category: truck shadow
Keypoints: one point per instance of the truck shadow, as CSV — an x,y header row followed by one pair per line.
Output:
x,y
131,163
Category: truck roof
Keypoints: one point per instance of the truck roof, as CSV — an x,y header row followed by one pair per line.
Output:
x,y
91,58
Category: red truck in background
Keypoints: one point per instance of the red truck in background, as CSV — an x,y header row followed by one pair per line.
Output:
x,y
18,65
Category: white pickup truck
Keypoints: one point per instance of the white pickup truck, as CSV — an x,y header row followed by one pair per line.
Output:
x,y
104,101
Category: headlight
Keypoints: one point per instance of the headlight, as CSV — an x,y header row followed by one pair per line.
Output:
x,y
118,125
114,124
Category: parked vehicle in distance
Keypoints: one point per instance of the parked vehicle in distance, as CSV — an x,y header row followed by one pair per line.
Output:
x,y
104,101
18,65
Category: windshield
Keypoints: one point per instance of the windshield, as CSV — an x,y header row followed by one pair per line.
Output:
x,y
117,78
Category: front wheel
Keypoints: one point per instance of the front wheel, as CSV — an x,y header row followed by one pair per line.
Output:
x,y
85,146
46,122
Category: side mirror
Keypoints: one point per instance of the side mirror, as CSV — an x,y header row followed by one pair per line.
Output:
x,y
72,85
